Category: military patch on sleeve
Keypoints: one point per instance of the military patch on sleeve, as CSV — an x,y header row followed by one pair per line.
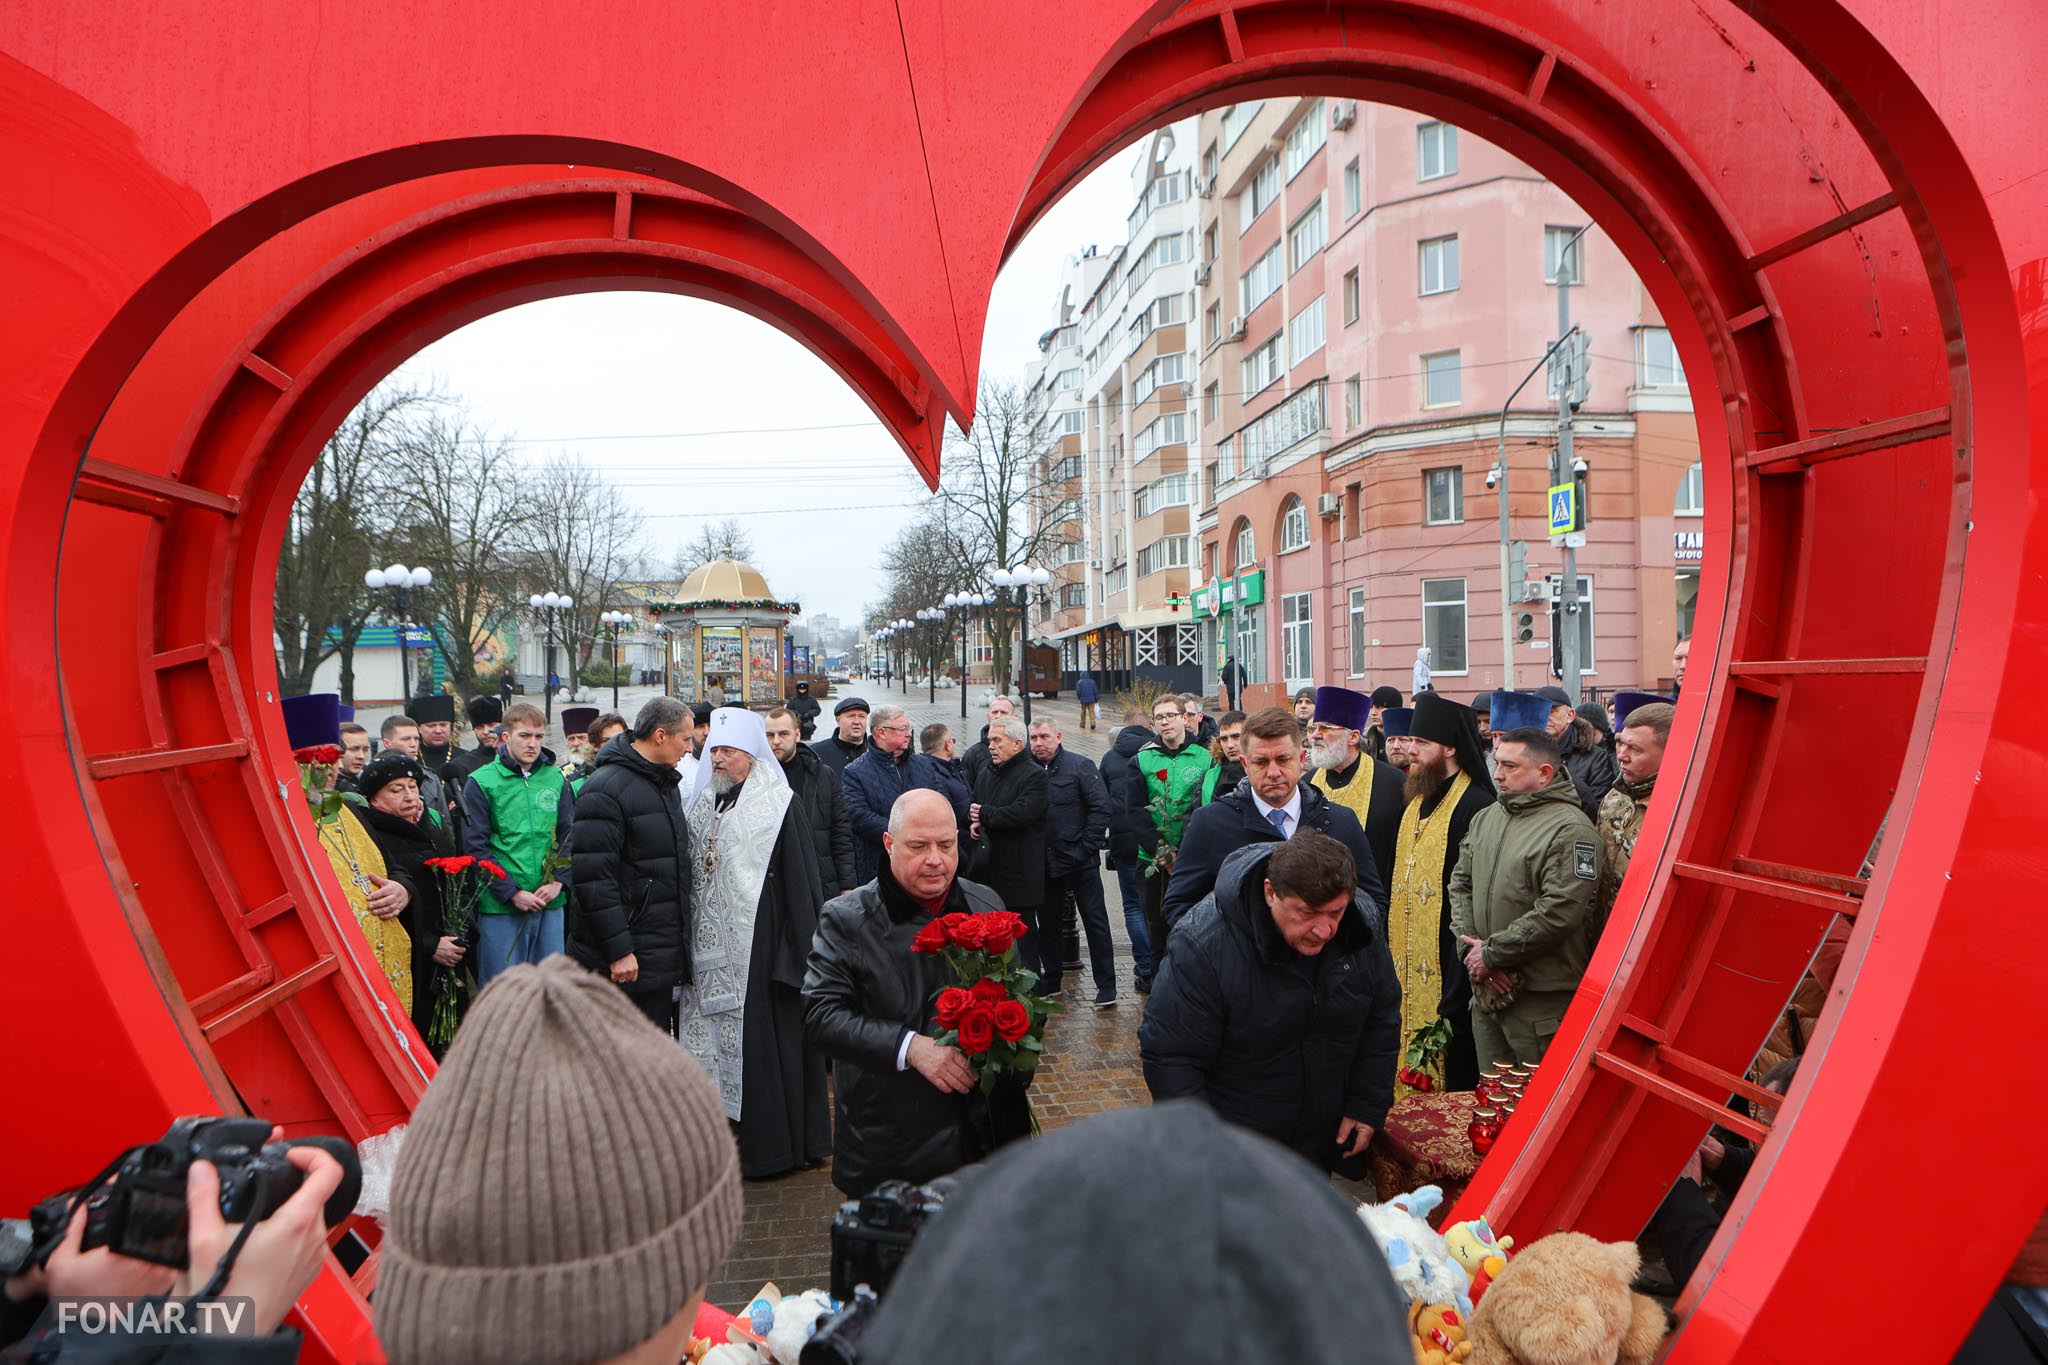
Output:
x,y
1586,861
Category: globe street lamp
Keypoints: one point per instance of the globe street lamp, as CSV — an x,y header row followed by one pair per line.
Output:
x,y
1021,582
614,621
964,603
548,606
401,581
903,629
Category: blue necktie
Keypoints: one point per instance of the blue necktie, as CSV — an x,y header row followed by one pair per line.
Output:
x,y
1279,819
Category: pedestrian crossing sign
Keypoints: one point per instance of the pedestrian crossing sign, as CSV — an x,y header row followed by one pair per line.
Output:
x,y
1563,509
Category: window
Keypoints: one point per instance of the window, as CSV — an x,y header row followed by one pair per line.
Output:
x,y
1305,238
1212,323
1168,309
1443,496
1212,404
1306,137
1259,282
1439,265
1263,190
1069,381
1167,249
1069,423
1354,403
1209,162
1236,119
1353,189
1069,468
1247,548
1171,368
1212,247
1294,526
1297,649
1168,429
1073,551
1692,497
1074,595
1657,364
1248,640
1443,623
1441,380
1358,632
1350,296
1283,426
1436,151
1305,333
1170,553
1261,367
1069,510
1585,615
1554,239
1170,491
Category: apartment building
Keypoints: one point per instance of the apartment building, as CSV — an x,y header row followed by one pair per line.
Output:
x,y
1372,287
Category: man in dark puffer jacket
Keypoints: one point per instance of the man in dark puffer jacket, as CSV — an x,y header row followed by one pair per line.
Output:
x,y
1279,1006
819,792
631,920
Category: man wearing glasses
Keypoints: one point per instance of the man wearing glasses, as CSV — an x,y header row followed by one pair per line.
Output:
x,y
1169,787
874,780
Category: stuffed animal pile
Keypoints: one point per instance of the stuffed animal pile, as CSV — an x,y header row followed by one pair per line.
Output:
x,y
1563,1300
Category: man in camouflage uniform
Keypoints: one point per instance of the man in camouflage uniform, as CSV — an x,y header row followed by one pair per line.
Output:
x,y
1642,725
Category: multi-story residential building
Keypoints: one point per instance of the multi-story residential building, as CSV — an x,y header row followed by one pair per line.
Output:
x,y
1375,285
1116,381
1369,286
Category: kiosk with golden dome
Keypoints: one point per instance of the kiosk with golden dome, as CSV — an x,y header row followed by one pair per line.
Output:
x,y
726,636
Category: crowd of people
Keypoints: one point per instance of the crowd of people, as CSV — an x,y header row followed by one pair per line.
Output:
x,y
1303,889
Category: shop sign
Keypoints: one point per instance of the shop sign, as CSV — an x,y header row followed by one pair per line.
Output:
x,y
1247,589
1687,547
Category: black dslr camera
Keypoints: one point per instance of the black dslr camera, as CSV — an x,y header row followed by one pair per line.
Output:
x,y
136,1207
870,1238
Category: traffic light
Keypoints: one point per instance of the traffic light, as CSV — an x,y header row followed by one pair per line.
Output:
x,y
1525,627
1557,629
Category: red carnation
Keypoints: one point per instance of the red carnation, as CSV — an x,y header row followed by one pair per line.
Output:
x,y
1012,1020
969,933
988,991
486,865
1161,774
931,939
977,1030
952,1003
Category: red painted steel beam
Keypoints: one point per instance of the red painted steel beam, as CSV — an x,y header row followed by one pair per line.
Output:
x,y
154,223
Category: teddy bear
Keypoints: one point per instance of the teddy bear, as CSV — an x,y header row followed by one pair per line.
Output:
x,y
1439,1334
1473,1246
1421,1264
1565,1300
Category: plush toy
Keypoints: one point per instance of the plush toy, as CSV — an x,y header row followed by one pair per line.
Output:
x,y
1415,1253
1473,1246
796,1318
1565,1300
1439,1334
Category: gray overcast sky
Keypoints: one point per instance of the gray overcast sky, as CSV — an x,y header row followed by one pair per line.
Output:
x,y
609,377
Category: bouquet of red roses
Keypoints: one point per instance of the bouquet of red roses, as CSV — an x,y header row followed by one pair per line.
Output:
x,y
462,887
991,1015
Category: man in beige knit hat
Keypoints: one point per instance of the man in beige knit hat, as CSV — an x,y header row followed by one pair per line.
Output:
x,y
567,1188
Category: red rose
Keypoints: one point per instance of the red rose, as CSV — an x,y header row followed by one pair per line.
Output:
x,y
952,923
1012,1020
931,939
952,1003
989,992
977,1030
1000,929
969,933
327,754
1161,774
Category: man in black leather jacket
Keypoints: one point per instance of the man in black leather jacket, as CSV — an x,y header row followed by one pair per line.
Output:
x,y
901,1098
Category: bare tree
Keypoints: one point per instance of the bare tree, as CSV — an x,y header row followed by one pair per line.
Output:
x,y
461,504
996,499
581,537
721,540
337,530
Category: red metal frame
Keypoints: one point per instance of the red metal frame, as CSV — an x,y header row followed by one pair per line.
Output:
x,y
209,270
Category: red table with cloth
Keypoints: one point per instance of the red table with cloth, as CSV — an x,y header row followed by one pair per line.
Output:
x,y
1424,1142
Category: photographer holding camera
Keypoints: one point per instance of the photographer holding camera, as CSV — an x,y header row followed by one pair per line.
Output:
x,y
264,1240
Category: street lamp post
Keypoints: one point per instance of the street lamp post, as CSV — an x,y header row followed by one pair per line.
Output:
x,y
547,605
615,621
661,634
401,581
903,629
964,603
1022,582
930,616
